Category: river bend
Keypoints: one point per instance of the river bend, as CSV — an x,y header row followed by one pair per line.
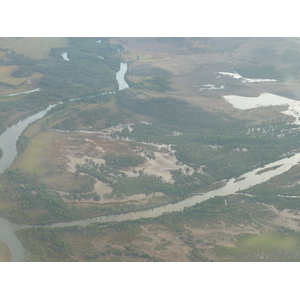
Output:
x,y
8,144
8,141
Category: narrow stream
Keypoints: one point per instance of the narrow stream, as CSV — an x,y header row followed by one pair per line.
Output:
x,y
8,144
26,92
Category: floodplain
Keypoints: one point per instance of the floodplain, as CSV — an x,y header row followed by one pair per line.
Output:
x,y
158,142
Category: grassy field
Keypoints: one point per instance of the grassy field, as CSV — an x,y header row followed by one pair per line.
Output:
x,y
263,247
5,75
189,71
5,254
66,182
20,83
33,47
32,159
136,79
41,157
32,163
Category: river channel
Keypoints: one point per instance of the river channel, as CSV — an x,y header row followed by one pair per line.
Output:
x,y
8,144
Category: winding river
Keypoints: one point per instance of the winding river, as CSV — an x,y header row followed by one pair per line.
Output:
x,y
8,144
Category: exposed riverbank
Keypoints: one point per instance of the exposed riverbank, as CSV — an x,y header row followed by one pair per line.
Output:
x,y
8,144
245,181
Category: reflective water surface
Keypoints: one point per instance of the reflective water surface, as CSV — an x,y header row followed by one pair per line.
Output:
x,y
120,77
8,144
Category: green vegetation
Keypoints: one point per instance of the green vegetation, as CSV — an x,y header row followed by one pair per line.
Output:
x,y
156,83
217,141
100,172
163,246
69,124
71,116
279,246
45,244
144,184
123,185
291,56
213,141
22,142
200,132
26,200
196,255
198,45
90,117
5,254
171,111
260,71
33,47
145,70
84,74
117,240
64,244
281,197
123,161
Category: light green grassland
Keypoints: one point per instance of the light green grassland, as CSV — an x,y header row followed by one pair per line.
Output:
x,y
30,160
270,243
33,47
5,75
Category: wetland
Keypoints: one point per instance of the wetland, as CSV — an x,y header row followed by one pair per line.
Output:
x,y
131,173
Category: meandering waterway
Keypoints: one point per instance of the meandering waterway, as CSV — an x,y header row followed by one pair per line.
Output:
x,y
8,141
26,92
232,186
10,136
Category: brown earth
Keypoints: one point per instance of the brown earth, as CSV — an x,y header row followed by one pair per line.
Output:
x,y
5,255
165,244
191,71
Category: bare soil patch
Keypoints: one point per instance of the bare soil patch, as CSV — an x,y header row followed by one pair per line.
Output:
x,y
54,155
286,218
